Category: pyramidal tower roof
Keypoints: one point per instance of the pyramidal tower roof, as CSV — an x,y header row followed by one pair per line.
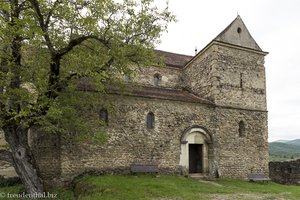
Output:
x,y
237,34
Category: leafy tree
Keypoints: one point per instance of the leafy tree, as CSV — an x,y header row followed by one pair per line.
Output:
x,y
47,46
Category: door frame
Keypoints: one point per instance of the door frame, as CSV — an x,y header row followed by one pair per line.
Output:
x,y
195,135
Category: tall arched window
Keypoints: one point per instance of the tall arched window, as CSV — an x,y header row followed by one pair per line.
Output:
x,y
156,79
150,120
242,129
103,115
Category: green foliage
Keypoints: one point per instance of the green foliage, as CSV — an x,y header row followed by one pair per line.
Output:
x,y
75,114
11,181
48,48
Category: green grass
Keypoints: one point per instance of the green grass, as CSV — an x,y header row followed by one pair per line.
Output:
x,y
165,187
176,187
5,191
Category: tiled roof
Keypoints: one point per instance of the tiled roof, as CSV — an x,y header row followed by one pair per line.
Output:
x,y
161,93
173,59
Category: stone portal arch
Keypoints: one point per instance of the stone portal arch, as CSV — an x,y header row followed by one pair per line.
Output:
x,y
194,150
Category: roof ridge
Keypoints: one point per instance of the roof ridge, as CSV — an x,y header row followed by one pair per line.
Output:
x,y
173,53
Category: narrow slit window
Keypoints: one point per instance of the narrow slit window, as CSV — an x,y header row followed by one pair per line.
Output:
x,y
242,129
103,115
156,79
150,120
241,80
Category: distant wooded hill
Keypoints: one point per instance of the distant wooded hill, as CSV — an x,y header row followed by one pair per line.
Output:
x,y
284,149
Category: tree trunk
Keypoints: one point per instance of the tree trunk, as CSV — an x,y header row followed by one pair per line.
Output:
x,y
23,159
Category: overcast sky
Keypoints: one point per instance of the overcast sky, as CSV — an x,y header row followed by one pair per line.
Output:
x,y
274,24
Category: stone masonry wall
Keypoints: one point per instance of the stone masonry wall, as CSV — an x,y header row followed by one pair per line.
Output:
x,y
131,142
239,79
198,75
229,77
46,149
170,77
232,78
285,172
241,154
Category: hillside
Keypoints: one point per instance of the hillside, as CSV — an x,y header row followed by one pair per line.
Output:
x,y
284,149
294,142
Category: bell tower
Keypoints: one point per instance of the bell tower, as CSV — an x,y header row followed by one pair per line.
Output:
x,y
237,70
230,71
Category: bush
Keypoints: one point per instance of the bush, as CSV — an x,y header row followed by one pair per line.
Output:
x,y
4,182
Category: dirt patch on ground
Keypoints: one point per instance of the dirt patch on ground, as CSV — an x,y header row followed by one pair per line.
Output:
x,y
211,183
248,196
238,196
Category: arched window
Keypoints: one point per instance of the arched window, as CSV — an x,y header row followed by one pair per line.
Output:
x,y
242,129
103,115
150,120
156,79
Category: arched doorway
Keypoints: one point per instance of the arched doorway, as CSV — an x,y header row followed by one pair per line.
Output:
x,y
194,150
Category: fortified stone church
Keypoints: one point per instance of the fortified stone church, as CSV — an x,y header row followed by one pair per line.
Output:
x,y
199,114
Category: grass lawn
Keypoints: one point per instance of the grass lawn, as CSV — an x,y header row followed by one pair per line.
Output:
x,y
170,188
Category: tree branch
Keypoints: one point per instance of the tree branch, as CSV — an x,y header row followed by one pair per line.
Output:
x,y
51,12
44,27
6,156
5,14
22,6
75,42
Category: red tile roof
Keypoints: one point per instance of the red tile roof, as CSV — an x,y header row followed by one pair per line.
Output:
x,y
160,93
173,59
170,59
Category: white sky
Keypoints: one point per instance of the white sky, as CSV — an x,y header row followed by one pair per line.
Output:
x,y
274,24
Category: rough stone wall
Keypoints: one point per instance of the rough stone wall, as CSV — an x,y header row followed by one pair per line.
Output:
x,y
233,78
198,75
169,76
131,142
285,172
46,149
239,79
229,77
238,155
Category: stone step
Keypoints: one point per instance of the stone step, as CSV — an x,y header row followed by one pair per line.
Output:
x,y
199,176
